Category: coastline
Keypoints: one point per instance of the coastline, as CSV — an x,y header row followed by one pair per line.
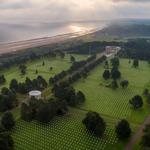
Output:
x,y
6,48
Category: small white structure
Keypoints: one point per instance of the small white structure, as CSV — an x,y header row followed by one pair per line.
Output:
x,y
112,49
36,94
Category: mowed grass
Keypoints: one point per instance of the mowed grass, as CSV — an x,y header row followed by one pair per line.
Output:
x,y
58,65
115,103
62,133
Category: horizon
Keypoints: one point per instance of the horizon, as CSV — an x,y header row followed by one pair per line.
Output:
x,y
40,11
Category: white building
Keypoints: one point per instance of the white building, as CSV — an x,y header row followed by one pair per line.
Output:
x,y
36,94
112,49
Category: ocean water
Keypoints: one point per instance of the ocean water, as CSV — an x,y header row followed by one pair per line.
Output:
x,y
11,32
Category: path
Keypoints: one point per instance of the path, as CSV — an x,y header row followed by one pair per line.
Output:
x,y
137,135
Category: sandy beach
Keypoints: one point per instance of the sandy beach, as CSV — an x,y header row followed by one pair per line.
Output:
x,y
21,45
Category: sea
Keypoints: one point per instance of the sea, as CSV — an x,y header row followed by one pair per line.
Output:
x,y
20,31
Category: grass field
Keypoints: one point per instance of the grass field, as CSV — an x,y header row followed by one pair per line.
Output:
x,y
61,134
115,103
68,132
58,65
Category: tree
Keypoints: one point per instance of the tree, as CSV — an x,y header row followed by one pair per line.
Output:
x,y
36,71
45,113
136,102
13,85
135,63
115,73
8,121
124,83
6,141
106,74
115,62
146,92
145,142
80,97
94,123
106,64
2,79
114,84
26,113
43,63
23,69
72,59
123,129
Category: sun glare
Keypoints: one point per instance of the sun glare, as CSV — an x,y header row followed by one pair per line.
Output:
x,y
76,28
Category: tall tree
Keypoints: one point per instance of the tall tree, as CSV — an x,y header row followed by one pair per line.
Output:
x,y
123,129
72,59
6,141
136,101
124,83
8,120
135,63
94,123
106,74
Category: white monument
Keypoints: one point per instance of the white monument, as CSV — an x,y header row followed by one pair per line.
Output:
x,y
36,94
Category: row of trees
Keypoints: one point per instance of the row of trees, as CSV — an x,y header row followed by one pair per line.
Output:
x,y
8,99
7,124
74,67
43,111
39,84
2,79
114,74
96,125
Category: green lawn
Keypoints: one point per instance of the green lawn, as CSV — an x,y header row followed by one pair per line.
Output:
x,y
68,132
115,103
58,65
62,133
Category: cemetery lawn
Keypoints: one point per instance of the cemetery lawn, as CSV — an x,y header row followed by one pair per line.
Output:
x,y
57,63
68,132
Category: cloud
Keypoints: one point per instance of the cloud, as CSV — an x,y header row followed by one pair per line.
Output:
x,y
61,10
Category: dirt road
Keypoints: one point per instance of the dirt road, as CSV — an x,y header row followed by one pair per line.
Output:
x,y
137,135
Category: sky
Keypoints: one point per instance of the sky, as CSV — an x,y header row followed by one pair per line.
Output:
x,y
69,10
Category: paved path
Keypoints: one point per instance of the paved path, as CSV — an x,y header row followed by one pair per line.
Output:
x,y
137,135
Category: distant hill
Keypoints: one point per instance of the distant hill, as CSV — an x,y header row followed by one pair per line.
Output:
x,y
125,31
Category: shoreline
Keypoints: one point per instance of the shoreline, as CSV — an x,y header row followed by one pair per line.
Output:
x,y
6,48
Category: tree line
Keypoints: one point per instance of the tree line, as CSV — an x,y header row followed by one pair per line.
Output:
x,y
24,87
8,99
74,67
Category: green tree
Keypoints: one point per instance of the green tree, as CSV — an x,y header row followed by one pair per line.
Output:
x,y
8,121
136,102
94,123
13,84
23,69
106,74
72,59
115,62
135,63
114,84
115,73
123,129
80,97
124,83
6,141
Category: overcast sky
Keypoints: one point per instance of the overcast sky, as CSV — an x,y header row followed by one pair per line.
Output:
x,y
62,10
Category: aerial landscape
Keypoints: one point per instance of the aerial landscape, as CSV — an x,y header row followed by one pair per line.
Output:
x,y
75,75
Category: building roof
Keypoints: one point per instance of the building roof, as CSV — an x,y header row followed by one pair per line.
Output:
x,y
35,93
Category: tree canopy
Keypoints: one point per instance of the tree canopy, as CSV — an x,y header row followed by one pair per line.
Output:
x,y
94,123
123,129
